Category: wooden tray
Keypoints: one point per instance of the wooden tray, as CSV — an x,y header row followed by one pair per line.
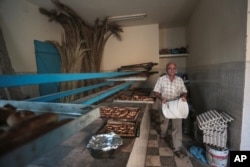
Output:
x,y
134,101
118,126
132,97
115,111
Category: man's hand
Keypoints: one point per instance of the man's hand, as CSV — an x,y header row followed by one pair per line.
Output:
x,y
183,98
163,100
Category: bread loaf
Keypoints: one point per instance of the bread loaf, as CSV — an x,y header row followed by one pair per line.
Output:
x,y
18,117
29,130
5,112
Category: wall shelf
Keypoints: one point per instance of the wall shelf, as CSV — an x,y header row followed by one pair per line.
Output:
x,y
173,55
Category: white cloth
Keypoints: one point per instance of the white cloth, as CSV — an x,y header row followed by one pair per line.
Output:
x,y
175,109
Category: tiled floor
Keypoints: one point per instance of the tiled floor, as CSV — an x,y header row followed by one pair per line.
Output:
x,y
159,152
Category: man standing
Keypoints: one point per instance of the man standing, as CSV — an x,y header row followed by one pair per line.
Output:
x,y
169,87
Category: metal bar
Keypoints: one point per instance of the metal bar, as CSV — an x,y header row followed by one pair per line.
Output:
x,y
105,94
31,79
228,117
214,116
54,96
217,114
206,118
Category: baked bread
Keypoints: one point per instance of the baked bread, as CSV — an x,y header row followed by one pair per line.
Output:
x,y
17,117
5,112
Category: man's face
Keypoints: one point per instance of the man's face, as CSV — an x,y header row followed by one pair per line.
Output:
x,y
171,69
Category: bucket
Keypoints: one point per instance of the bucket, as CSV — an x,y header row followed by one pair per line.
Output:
x,y
175,109
216,157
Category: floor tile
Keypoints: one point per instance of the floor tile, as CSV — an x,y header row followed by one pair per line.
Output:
x,y
152,132
152,143
162,143
152,151
153,160
152,137
168,161
183,162
165,151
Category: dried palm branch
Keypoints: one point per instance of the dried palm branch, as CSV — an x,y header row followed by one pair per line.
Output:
x,y
82,45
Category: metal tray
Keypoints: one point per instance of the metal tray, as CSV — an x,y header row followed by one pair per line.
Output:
x,y
39,146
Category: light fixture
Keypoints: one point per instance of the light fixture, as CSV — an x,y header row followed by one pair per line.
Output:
x,y
127,17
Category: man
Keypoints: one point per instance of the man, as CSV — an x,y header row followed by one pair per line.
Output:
x,y
169,87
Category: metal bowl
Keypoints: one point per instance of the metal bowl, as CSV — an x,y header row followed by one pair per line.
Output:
x,y
104,145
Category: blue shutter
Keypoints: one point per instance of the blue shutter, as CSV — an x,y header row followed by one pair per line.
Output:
x,y
48,61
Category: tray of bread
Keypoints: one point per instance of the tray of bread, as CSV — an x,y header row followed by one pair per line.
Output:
x,y
119,113
134,97
122,128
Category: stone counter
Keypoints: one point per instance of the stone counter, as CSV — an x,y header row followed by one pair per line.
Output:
x,y
73,152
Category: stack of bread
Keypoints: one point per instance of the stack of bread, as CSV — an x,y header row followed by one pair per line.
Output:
x,y
120,119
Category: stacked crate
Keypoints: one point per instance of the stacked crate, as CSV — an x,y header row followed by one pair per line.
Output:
x,y
214,126
121,119
123,115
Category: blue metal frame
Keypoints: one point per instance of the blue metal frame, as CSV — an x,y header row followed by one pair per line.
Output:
x,y
107,93
54,96
32,79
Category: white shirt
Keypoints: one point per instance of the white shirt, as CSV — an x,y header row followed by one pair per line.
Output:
x,y
170,90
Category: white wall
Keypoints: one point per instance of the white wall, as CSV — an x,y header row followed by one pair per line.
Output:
x,y
170,38
139,44
246,103
248,33
21,24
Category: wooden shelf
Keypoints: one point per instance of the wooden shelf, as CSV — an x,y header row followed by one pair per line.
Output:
x,y
174,55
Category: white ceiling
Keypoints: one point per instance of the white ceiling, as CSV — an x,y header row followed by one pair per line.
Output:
x,y
166,13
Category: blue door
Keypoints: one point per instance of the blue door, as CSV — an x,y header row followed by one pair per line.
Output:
x,y
48,61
